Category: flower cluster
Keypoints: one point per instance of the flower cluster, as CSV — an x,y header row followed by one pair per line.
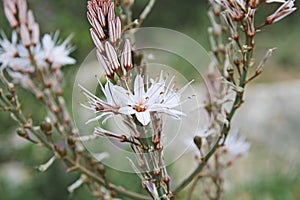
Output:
x,y
16,56
238,10
26,53
101,15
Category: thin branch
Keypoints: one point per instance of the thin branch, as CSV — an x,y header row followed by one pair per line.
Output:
x,y
237,102
118,189
146,12
199,168
193,186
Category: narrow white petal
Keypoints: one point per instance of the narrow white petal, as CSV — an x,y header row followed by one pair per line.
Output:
x,y
127,110
143,117
139,91
124,97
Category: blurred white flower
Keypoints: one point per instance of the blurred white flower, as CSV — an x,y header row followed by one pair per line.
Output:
x,y
236,145
56,52
18,58
8,50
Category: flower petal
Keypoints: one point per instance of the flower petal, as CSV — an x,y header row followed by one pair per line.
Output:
x,y
139,91
143,117
124,97
127,110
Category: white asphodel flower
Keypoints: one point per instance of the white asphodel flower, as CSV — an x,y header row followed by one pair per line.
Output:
x,y
106,107
56,53
236,145
8,50
18,58
15,56
157,98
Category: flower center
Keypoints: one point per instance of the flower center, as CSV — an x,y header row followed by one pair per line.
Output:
x,y
140,107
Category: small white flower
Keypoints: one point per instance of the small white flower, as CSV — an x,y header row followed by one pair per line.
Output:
x,y
8,50
236,145
56,53
106,107
15,56
157,98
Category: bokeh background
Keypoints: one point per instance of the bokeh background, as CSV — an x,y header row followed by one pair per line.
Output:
x,y
270,117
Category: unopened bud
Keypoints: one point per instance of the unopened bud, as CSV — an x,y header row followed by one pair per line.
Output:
x,y
235,36
22,133
128,2
60,147
9,97
167,179
113,194
48,84
101,169
71,142
230,71
156,172
79,148
46,127
198,141
237,62
123,138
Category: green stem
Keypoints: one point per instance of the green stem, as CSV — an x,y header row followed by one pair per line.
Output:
x,y
237,102
118,189
199,168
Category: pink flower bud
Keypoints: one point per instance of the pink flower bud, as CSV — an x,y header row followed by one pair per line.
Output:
x,y
25,36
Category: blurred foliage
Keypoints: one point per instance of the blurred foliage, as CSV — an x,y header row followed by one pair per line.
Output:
x,y
188,17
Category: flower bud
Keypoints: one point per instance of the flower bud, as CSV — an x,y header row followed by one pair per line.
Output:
x,y
9,97
198,141
60,147
128,2
22,133
46,127
71,142
101,169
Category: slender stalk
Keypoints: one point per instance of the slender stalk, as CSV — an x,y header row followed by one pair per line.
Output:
x,y
146,12
24,123
199,168
191,190
118,189
237,102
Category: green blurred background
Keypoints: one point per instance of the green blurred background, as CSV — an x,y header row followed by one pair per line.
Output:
x,y
270,171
